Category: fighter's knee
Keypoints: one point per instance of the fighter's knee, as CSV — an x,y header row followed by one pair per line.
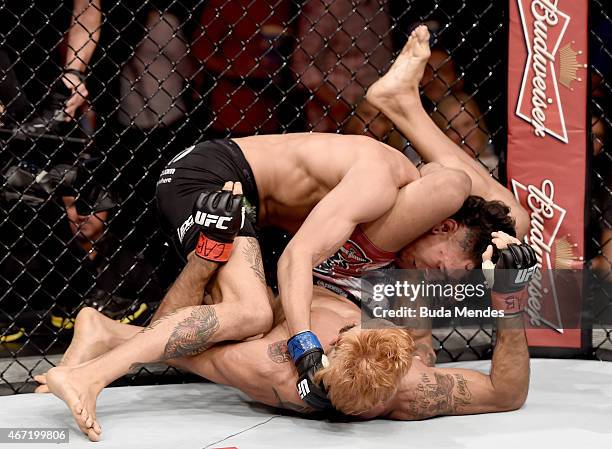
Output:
x,y
262,318
87,316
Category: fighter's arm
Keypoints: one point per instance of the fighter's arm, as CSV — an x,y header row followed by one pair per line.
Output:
x,y
366,192
454,391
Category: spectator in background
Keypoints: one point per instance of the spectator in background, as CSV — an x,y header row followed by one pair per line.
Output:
x,y
45,51
459,116
141,94
79,261
342,47
154,80
122,283
369,121
240,45
440,77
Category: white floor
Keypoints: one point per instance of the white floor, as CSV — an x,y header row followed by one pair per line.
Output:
x,y
569,406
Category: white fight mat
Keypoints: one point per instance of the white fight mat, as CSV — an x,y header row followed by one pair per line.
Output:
x,y
569,406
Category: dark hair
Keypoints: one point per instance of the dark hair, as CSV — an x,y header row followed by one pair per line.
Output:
x,y
481,218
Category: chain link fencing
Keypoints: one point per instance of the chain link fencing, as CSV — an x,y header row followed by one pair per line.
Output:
x,y
600,232
96,97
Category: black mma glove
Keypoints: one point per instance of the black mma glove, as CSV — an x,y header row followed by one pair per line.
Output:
x,y
220,216
308,357
515,267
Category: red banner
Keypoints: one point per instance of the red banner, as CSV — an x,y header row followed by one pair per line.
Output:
x,y
547,150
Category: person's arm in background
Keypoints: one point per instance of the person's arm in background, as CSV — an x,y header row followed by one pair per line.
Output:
x,y
80,43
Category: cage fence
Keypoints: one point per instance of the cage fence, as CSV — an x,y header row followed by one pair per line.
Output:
x,y
96,97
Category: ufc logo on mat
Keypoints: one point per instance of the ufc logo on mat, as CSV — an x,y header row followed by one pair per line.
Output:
x,y
525,275
303,388
207,220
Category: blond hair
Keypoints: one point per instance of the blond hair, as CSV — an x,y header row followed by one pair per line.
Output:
x,y
365,368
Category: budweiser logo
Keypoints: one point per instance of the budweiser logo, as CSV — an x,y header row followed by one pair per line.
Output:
x,y
546,219
539,101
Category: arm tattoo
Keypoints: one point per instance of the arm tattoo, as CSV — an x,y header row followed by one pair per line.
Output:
x,y
289,405
191,336
278,352
446,394
428,356
252,252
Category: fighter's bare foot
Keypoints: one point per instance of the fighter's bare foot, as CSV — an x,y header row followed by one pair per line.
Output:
x,y
402,79
88,342
69,384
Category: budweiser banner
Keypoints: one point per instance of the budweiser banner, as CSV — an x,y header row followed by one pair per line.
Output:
x,y
547,153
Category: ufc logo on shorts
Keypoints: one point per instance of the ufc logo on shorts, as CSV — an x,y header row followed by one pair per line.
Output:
x,y
525,275
303,389
207,220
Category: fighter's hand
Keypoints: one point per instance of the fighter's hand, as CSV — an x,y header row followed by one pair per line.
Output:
x,y
308,356
78,94
220,216
515,266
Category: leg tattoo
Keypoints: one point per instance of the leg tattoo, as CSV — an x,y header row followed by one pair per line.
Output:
x,y
253,255
191,336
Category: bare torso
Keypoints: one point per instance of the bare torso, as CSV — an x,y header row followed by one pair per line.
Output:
x,y
293,172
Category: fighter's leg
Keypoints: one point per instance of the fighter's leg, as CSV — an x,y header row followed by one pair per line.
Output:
x,y
186,332
240,278
242,282
94,335
188,289
397,95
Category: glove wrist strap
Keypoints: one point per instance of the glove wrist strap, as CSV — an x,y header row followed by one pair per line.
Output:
x,y
512,304
301,343
212,250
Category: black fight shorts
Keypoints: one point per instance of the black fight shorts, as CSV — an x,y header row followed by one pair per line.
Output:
x,y
203,167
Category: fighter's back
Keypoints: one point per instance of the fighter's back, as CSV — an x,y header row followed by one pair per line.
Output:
x,y
294,171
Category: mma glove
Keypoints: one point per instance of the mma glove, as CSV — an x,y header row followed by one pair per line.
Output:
x,y
308,356
220,216
513,270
